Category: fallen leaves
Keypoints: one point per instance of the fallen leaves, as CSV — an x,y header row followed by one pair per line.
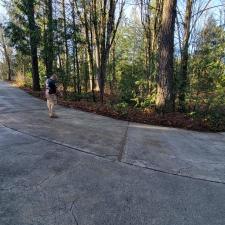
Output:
x,y
132,114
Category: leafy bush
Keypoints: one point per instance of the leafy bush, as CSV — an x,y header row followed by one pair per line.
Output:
x,y
148,102
128,84
122,108
141,102
212,112
216,118
22,80
79,96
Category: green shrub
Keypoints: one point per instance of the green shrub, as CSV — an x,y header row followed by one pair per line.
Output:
x,y
122,108
79,96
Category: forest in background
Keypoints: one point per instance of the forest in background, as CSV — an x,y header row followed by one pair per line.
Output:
x,y
142,60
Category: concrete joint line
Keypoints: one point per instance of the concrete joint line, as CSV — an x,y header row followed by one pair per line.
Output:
x,y
108,159
58,143
175,174
123,144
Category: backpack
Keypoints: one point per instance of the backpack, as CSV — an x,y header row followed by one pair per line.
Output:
x,y
50,86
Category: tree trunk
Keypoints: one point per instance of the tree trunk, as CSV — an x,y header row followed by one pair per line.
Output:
x,y
33,45
89,40
7,58
146,20
184,56
113,82
165,79
102,75
76,65
105,39
86,70
66,78
50,53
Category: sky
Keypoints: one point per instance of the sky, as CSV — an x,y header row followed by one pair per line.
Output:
x,y
2,10
129,4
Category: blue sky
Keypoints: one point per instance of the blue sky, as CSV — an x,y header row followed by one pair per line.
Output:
x,y
2,9
213,3
214,11
3,13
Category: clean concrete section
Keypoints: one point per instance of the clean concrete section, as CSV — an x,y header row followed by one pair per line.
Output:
x,y
188,153
91,170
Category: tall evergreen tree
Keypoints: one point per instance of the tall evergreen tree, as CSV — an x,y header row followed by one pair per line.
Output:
x,y
28,6
49,51
165,79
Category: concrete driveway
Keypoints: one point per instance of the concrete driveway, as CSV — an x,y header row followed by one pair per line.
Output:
x,y
86,169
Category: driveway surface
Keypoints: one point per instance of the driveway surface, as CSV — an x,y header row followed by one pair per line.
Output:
x,y
86,169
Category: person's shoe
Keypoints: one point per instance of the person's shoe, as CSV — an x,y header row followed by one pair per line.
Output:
x,y
54,116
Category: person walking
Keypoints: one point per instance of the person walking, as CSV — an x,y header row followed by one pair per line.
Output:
x,y
51,96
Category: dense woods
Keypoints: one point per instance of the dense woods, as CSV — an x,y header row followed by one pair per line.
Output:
x,y
155,56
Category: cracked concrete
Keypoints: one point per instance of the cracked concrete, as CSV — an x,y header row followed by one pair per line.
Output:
x,y
88,169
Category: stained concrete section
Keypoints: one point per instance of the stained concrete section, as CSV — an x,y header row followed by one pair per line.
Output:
x,y
94,134
45,183
188,153
88,132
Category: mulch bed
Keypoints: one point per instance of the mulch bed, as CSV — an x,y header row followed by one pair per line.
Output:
x,y
177,120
